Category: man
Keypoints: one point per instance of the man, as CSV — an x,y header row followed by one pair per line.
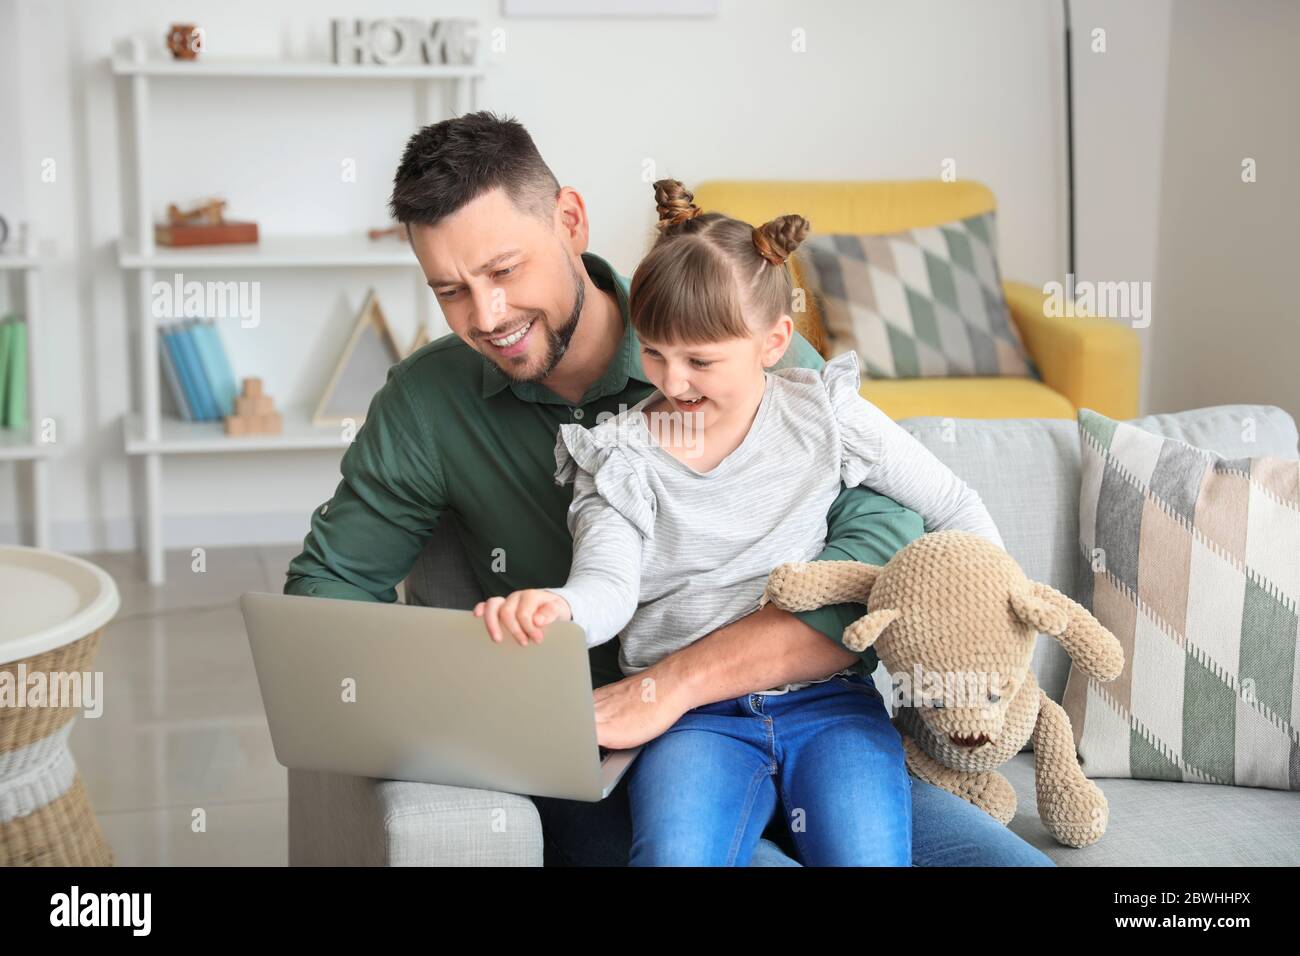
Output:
x,y
464,431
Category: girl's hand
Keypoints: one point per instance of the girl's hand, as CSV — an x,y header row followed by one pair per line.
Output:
x,y
522,614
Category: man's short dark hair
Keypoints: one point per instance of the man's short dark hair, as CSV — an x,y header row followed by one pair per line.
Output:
x,y
451,163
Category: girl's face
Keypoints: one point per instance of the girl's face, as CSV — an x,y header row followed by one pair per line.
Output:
x,y
719,380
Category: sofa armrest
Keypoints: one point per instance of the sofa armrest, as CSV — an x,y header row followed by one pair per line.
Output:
x,y
341,820
1094,362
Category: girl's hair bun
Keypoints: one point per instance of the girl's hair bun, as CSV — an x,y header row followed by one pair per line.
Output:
x,y
777,240
675,203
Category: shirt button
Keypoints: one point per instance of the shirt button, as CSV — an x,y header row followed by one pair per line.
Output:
x,y
577,413
324,508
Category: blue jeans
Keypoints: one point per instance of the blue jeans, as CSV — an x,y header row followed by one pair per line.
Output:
x,y
946,831
702,793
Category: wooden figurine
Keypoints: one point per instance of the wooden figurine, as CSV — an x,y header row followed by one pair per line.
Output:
x,y
254,412
204,225
212,212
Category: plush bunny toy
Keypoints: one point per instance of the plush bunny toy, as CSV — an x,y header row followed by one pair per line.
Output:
x,y
954,619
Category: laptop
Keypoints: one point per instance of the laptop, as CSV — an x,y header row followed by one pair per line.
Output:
x,y
402,692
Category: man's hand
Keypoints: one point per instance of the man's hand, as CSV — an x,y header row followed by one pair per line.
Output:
x,y
522,614
635,710
764,649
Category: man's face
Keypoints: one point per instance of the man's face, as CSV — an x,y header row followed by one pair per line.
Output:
x,y
506,282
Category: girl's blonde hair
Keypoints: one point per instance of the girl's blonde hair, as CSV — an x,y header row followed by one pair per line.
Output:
x,y
707,272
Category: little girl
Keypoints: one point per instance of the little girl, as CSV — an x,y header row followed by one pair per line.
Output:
x,y
684,504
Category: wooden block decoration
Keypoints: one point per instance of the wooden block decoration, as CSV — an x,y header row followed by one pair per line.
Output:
x,y
362,369
254,412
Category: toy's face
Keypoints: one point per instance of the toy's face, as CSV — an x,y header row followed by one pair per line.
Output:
x,y
964,697
957,653
960,672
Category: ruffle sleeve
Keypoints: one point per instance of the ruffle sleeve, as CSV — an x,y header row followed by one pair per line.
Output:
x,y
856,418
602,455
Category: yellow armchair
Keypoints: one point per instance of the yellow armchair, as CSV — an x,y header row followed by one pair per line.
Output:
x,y
1084,361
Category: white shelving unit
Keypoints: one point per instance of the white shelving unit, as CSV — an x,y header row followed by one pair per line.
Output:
x,y
24,444
146,433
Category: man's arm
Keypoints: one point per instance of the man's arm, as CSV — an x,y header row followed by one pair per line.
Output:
x,y
365,539
771,647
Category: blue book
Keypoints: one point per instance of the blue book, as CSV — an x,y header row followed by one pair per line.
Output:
x,y
216,366
184,372
201,399
192,332
167,354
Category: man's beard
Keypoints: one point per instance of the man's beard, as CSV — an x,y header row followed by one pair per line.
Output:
x,y
557,340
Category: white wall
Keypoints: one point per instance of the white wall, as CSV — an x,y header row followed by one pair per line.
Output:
x,y
1119,106
884,90
1227,328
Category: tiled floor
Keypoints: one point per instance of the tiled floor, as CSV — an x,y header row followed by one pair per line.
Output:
x,y
183,728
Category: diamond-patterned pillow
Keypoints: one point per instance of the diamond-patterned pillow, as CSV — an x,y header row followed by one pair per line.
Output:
x,y
922,303
1193,562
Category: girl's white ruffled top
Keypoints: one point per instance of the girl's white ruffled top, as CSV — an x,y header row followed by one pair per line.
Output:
x,y
666,554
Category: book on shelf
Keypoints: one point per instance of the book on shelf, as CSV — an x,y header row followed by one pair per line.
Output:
x,y
13,373
171,363
5,339
197,370
216,366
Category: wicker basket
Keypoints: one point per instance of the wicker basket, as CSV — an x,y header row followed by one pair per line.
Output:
x,y
62,831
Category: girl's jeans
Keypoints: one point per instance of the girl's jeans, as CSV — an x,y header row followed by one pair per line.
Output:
x,y
827,756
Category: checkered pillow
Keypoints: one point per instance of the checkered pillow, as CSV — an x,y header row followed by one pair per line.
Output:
x,y
1193,562
923,303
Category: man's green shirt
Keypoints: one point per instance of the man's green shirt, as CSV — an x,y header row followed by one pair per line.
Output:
x,y
451,437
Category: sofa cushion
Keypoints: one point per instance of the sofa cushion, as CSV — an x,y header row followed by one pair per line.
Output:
x,y
922,303
1027,473
441,575
1196,570
1005,397
1153,823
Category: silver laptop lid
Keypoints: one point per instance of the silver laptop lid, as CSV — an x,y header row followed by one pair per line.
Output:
x,y
416,693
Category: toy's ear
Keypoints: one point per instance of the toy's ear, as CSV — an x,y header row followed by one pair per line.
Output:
x,y
808,585
864,632
1093,649
1043,615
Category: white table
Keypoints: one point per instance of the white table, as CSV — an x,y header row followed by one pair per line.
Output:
x,y
53,609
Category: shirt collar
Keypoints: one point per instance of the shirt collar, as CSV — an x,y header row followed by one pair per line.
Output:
x,y
625,365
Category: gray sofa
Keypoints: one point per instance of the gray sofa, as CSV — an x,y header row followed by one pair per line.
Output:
x,y
1027,472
